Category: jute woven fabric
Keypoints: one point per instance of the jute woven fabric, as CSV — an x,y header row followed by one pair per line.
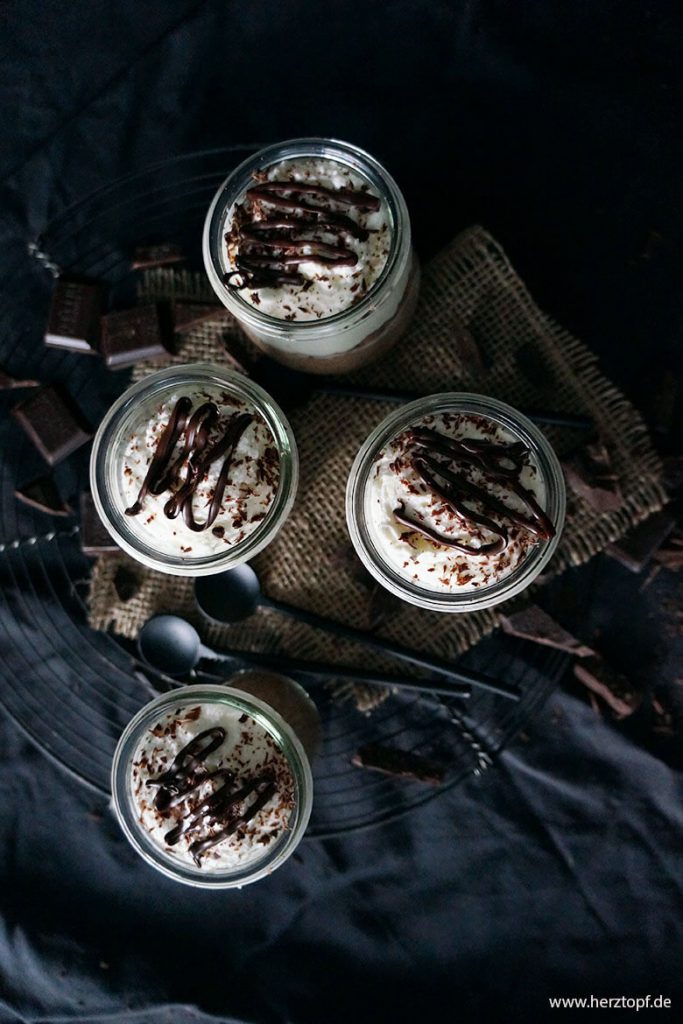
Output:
x,y
468,290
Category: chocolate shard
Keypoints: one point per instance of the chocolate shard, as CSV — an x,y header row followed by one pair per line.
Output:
x,y
613,687
664,716
635,549
9,383
126,584
670,554
131,335
52,422
401,763
162,255
187,315
590,475
74,320
466,349
43,494
532,623
95,538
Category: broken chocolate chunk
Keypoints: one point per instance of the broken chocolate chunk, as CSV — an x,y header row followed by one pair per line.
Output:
x,y
147,256
95,539
664,724
74,319
590,475
43,495
613,687
670,554
126,583
187,315
402,763
131,335
467,350
52,422
9,383
532,623
635,549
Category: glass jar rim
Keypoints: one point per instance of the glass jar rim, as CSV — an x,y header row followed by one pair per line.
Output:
x,y
400,419
106,447
267,718
228,193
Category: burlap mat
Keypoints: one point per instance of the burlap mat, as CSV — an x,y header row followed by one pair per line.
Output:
x,y
528,361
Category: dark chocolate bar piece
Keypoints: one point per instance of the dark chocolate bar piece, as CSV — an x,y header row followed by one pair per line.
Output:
x,y
52,422
532,623
187,315
590,475
146,256
131,335
43,495
401,763
635,549
74,319
670,555
614,688
9,383
95,538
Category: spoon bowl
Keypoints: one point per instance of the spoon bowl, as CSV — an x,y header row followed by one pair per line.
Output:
x,y
169,644
229,596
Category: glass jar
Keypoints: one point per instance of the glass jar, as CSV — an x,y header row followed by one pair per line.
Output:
x,y
410,565
122,451
248,857
334,342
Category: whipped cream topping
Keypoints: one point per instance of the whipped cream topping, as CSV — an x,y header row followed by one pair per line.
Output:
x,y
326,289
395,484
251,486
245,754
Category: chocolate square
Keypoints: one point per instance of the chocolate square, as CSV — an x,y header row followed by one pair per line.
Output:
x,y
187,315
131,335
74,320
635,549
9,383
95,538
533,624
147,256
43,494
52,422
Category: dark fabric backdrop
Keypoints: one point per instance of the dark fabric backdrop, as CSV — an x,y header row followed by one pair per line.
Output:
x,y
558,127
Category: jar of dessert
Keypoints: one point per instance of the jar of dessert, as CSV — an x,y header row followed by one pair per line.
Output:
x,y
212,786
456,502
308,245
193,470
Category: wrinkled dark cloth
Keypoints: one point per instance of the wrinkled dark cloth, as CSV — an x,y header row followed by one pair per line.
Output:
x,y
557,127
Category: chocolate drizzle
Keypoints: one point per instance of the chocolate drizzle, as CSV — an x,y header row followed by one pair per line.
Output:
x,y
183,474
500,463
270,244
225,806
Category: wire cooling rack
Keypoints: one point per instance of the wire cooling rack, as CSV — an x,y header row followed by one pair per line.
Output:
x,y
71,689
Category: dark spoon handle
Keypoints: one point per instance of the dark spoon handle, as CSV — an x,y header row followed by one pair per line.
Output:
x,y
387,647
321,671
556,419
